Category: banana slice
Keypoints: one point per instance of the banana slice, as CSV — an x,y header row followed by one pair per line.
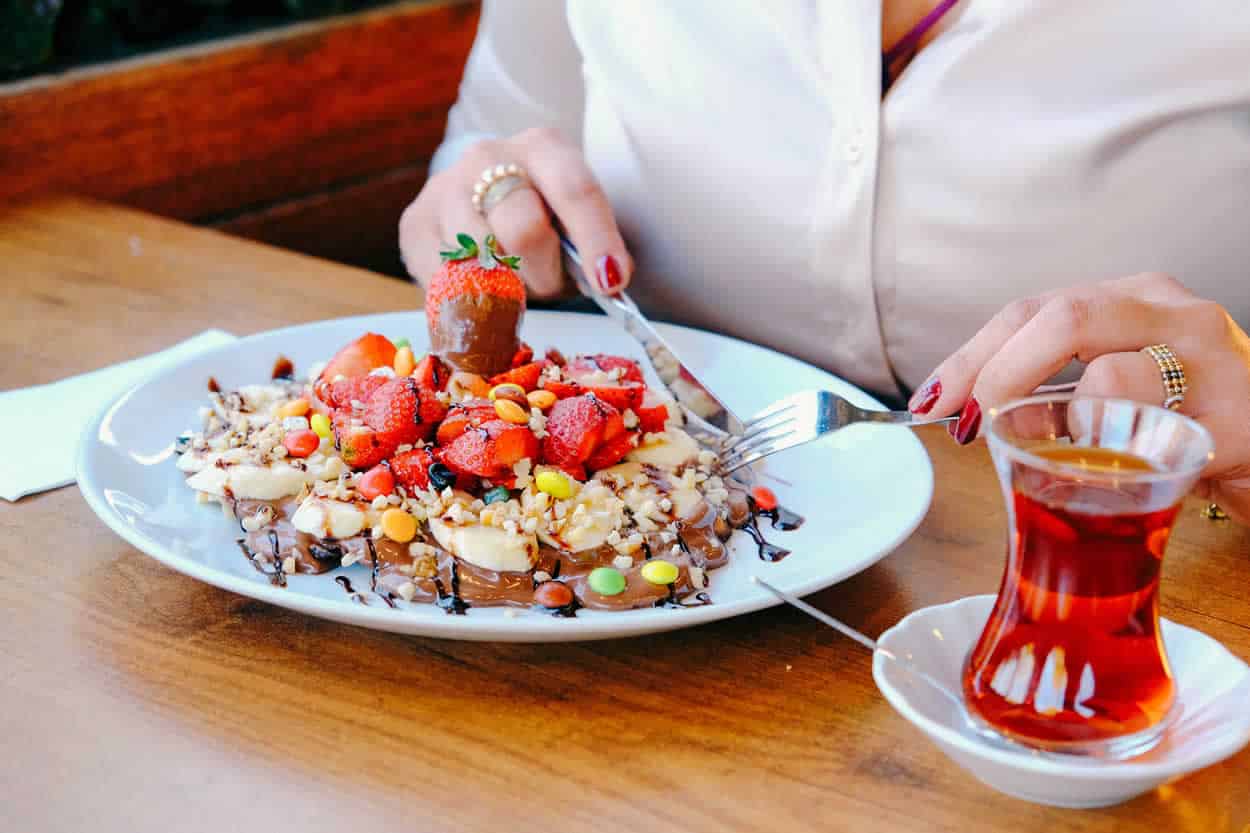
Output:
x,y
325,518
667,450
248,480
487,547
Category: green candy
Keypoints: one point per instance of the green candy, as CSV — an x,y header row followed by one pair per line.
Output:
x,y
499,494
606,581
401,343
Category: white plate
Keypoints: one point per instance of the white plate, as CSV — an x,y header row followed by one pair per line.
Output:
x,y
863,490
1212,695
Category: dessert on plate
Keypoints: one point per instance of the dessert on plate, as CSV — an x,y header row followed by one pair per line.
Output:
x,y
477,475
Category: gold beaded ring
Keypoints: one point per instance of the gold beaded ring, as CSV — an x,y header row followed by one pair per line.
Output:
x,y
495,183
1175,384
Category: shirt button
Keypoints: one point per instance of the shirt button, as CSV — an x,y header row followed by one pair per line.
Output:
x,y
854,152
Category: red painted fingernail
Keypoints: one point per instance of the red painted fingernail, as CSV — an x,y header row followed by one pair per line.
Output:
x,y
608,275
926,396
965,429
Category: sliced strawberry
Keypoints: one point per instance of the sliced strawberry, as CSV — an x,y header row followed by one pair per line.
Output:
x,y
461,416
402,412
562,390
393,412
575,428
431,373
652,419
359,445
526,375
622,397
611,451
513,443
490,450
523,355
630,371
342,393
412,468
362,355
431,409
469,453
613,427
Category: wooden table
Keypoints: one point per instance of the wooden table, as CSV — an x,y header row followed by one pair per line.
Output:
x,y
137,699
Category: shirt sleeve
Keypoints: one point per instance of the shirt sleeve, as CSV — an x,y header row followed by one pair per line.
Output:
x,y
524,71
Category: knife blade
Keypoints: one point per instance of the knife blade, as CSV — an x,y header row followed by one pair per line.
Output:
x,y
702,407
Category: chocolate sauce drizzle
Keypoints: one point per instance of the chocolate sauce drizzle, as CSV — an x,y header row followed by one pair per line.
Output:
x,y
767,551
270,569
701,539
451,603
782,518
283,368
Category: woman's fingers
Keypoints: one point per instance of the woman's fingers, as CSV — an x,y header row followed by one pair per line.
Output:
x,y
570,189
949,387
1068,327
523,227
420,231
563,185
950,384
1123,376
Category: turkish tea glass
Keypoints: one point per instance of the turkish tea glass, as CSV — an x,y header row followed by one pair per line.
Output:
x,y
1071,659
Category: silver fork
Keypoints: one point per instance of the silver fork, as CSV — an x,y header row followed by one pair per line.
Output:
x,y
801,418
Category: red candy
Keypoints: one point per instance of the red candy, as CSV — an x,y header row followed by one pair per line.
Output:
x,y
764,498
301,443
375,482
553,594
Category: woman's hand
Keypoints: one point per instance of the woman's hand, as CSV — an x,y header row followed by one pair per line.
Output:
x,y
1105,325
562,185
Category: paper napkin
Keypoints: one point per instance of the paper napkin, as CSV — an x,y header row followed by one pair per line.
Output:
x,y
41,426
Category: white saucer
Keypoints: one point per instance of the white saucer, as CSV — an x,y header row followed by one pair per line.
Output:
x,y
1213,697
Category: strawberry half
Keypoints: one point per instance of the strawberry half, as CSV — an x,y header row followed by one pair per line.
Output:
x,y
361,356
576,428
463,415
652,419
526,375
523,355
612,451
359,445
562,389
583,365
403,411
490,450
431,374
341,393
412,468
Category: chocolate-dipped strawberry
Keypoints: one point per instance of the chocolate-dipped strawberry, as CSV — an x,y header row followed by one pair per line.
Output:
x,y
474,305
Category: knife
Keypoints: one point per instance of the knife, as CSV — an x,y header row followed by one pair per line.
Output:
x,y
704,408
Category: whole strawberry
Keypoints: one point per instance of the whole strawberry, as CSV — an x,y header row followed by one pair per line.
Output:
x,y
474,305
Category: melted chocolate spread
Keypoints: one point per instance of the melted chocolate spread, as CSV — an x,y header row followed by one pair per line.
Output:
x,y
456,586
477,333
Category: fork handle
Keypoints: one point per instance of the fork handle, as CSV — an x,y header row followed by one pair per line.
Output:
x,y
903,418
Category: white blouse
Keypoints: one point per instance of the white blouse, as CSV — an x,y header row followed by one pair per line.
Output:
x,y
767,190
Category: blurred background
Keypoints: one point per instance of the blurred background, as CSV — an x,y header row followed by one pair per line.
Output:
x,y
303,123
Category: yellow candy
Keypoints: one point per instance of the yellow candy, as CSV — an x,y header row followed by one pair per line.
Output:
x,y
398,525
321,424
405,361
541,399
507,390
659,571
509,411
294,408
554,483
